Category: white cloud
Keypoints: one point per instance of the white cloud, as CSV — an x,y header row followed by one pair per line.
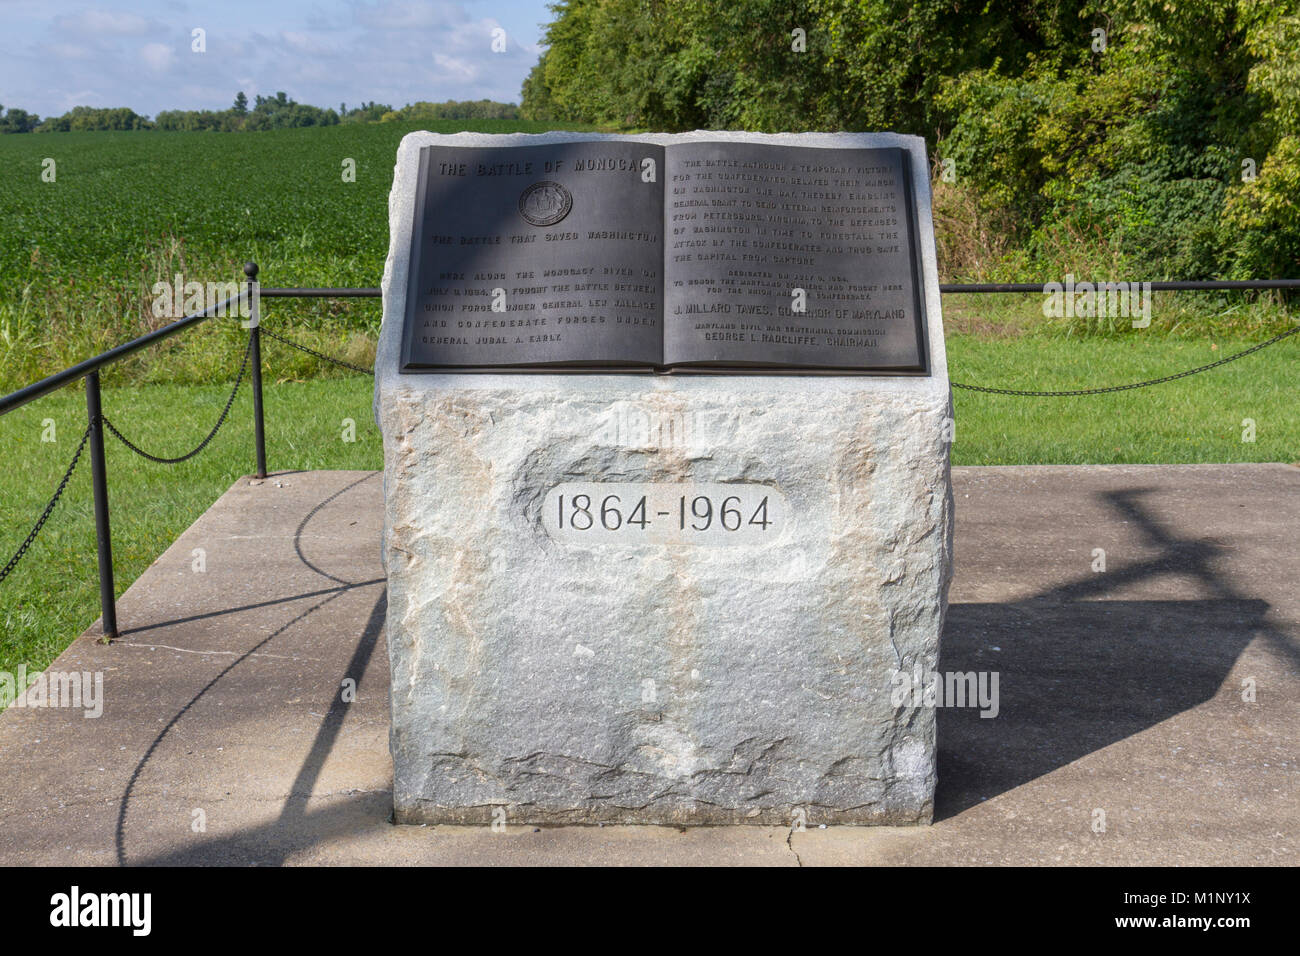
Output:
x,y
300,42
109,23
70,51
318,51
80,98
158,56
452,68
405,15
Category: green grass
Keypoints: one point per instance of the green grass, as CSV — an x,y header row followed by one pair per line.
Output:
x,y
53,595
1174,315
79,257
1195,419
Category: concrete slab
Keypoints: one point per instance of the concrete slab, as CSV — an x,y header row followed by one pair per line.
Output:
x,y
225,737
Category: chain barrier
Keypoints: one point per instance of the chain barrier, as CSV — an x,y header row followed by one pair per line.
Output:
x,y
319,355
243,368
1123,388
58,493
972,388
239,379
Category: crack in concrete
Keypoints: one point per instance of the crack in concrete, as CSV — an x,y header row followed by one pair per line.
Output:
x,y
789,842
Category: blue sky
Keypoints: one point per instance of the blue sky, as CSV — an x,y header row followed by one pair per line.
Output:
x,y
55,55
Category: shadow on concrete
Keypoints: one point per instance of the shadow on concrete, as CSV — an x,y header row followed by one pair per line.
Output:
x,y
239,609
326,735
295,828
1079,672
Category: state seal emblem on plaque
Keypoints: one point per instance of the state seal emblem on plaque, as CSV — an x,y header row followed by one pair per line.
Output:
x,y
545,203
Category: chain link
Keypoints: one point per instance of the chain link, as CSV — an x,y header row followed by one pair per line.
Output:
x,y
67,476
319,355
1123,388
239,379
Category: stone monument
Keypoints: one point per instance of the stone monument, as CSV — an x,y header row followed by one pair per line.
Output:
x,y
666,427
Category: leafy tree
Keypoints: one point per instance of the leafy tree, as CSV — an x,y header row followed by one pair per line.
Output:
x,y
1137,121
17,121
82,118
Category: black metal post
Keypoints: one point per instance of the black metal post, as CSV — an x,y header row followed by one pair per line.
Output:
x,y
99,482
255,359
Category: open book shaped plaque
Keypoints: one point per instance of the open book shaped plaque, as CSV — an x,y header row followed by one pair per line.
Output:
x,y
699,256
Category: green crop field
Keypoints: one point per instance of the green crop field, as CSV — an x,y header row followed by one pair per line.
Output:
x,y
79,256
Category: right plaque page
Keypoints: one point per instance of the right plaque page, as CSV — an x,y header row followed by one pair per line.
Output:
x,y
791,256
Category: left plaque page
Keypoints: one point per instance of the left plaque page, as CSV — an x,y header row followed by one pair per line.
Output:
x,y
536,256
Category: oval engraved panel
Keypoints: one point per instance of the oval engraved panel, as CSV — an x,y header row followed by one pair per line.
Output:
x,y
664,513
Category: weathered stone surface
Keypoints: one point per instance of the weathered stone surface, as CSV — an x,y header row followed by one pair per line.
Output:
x,y
638,680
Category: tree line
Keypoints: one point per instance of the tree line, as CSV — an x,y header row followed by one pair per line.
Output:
x,y
265,112
1164,134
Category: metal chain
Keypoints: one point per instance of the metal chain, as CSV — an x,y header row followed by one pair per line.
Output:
x,y
973,388
319,355
67,476
1122,388
243,367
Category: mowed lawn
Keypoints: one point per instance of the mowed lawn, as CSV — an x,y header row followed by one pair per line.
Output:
x,y
79,256
53,594
1243,411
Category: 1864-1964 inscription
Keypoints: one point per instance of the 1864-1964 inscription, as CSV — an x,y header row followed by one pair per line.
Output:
x,y
696,256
